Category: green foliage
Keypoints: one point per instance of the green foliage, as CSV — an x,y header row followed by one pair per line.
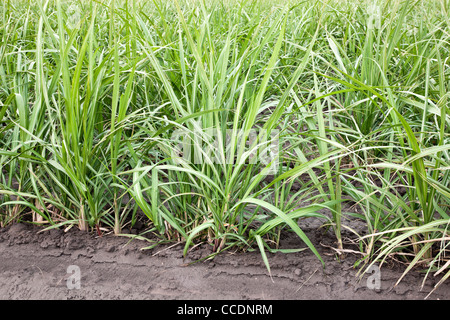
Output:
x,y
96,98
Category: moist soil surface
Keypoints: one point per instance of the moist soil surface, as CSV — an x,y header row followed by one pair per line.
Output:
x,y
35,265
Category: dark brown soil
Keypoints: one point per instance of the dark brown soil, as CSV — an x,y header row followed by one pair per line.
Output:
x,y
34,266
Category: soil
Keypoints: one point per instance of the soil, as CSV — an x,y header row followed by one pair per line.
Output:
x,y
34,265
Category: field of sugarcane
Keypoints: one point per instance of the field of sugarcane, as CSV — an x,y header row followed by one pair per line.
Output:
x,y
227,122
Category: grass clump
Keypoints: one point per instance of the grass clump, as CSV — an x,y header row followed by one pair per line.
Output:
x,y
202,117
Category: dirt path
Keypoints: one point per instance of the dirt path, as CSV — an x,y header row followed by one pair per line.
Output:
x,y
35,266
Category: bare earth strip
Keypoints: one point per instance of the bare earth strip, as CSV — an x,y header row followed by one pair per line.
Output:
x,y
34,266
